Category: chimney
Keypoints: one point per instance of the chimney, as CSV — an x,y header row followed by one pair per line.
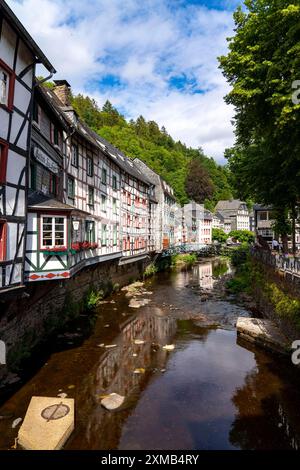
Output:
x,y
62,90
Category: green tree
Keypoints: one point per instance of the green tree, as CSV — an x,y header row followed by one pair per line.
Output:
x,y
243,236
262,63
219,235
198,183
145,140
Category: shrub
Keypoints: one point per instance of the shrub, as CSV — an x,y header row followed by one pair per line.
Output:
x,y
150,270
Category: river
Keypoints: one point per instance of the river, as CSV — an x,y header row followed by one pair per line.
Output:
x,y
211,392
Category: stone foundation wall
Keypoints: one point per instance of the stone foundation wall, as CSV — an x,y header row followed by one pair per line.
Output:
x,y
26,321
287,283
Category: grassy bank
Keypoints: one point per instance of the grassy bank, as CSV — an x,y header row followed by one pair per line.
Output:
x,y
184,260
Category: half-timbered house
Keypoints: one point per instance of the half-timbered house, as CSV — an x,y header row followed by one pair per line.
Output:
x,y
48,221
19,55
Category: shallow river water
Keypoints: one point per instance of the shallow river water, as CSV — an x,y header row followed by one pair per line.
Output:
x,y
211,392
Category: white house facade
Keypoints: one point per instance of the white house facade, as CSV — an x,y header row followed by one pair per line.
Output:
x,y
19,55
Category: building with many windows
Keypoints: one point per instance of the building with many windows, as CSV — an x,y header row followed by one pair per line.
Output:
x,y
236,211
19,55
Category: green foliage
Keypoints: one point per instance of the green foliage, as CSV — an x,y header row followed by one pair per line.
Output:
x,y
262,63
219,235
150,270
239,256
198,183
243,236
185,259
92,298
285,306
145,140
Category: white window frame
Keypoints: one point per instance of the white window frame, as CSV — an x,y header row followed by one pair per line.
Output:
x,y
4,87
53,217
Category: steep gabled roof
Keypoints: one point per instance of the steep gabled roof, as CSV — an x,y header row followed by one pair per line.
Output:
x,y
113,153
230,205
28,40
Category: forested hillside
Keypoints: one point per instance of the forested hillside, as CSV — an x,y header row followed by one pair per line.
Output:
x,y
174,161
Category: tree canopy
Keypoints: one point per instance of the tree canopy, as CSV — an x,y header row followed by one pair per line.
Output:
x,y
152,144
261,67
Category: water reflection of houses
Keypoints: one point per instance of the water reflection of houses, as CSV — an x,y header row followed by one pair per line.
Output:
x,y
203,273
115,373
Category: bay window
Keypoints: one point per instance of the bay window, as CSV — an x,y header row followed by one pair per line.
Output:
x,y
53,231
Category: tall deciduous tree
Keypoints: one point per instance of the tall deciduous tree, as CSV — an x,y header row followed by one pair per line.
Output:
x,y
198,183
262,64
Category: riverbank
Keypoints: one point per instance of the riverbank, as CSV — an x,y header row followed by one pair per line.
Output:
x,y
211,391
261,287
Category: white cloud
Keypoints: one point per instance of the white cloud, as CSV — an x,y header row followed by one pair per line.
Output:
x,y
144,44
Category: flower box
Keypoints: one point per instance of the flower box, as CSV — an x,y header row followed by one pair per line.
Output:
x,y
56,251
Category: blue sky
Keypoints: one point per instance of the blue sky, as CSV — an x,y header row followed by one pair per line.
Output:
x,y
156,58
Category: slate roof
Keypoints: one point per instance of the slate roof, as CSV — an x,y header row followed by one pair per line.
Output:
x,y
113,153
230,205
39,200
262,207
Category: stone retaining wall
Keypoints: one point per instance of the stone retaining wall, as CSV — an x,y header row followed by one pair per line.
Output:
x,y
27,321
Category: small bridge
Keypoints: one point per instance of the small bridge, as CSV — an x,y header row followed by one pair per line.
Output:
x,y
197,248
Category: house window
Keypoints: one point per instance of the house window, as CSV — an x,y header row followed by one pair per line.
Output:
x,y
55,136
3,161
103,203
104,176
53,184
71,187
104,235
90,166
54,231
115,235
32,176
263,216
114,182
6,86
114,205
90,231
3,237
75,158
36,112
91,196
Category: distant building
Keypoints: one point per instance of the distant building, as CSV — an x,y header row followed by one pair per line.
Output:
x,y
236,211
222,222
165,207
264,221
205,229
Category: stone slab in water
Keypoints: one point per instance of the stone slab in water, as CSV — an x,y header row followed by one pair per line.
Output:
x,y
264,333
48,423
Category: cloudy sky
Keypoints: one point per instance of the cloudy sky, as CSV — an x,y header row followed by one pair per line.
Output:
x,y
152,57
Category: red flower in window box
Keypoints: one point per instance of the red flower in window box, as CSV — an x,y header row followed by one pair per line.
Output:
x,y
94,246
76,246
56,249
85,245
